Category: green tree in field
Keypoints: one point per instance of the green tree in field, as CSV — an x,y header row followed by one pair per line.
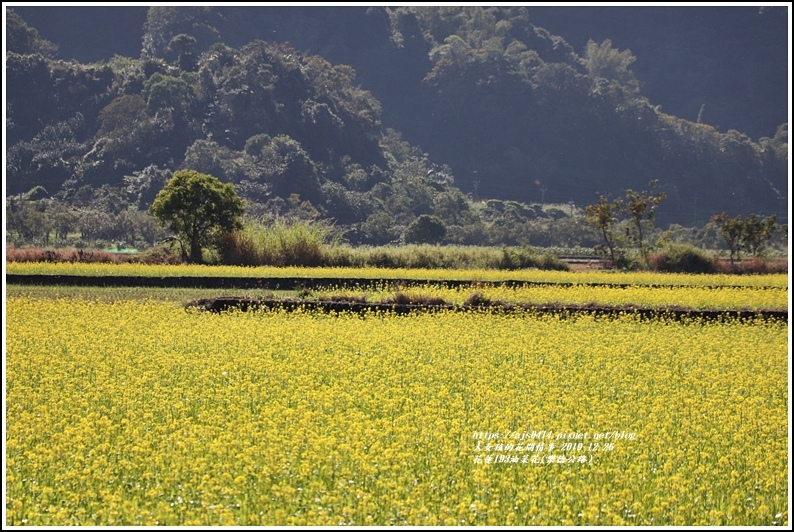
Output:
x,y
197,207
756,233
641,208
26,220
603,216
731,230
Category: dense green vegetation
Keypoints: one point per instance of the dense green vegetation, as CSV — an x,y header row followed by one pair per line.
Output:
x,y
501,108
198,208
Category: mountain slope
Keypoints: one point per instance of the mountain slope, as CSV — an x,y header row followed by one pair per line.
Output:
x,y
513,110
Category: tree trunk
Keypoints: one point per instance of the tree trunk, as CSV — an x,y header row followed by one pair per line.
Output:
x,y
195,251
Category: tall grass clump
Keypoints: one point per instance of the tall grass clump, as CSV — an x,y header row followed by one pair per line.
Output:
x,y
527,257
280,243
313,244
444,257
317,244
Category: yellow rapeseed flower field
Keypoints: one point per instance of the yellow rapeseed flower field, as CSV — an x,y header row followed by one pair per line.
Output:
x,y
545,276
693,297
698,298
142,413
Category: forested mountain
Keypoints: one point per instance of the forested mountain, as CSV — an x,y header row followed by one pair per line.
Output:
x,y
726,58
377,115
722,65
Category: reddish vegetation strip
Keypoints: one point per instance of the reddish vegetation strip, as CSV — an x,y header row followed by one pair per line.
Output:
x,y
222,304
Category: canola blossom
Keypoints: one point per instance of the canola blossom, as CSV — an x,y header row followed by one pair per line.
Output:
x,y
692,297
142,413
544,276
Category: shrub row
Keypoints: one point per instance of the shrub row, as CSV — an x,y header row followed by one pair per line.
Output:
x,y
685,258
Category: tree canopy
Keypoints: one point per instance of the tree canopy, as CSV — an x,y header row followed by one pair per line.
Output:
x,y
197,207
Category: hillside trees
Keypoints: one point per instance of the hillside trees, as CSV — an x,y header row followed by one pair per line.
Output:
x,y
315,123
144,185
286,167
426,229
266,166
25,40
575,121
41,92
603,61
183,46
127,135
237,88
164,23
49,159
